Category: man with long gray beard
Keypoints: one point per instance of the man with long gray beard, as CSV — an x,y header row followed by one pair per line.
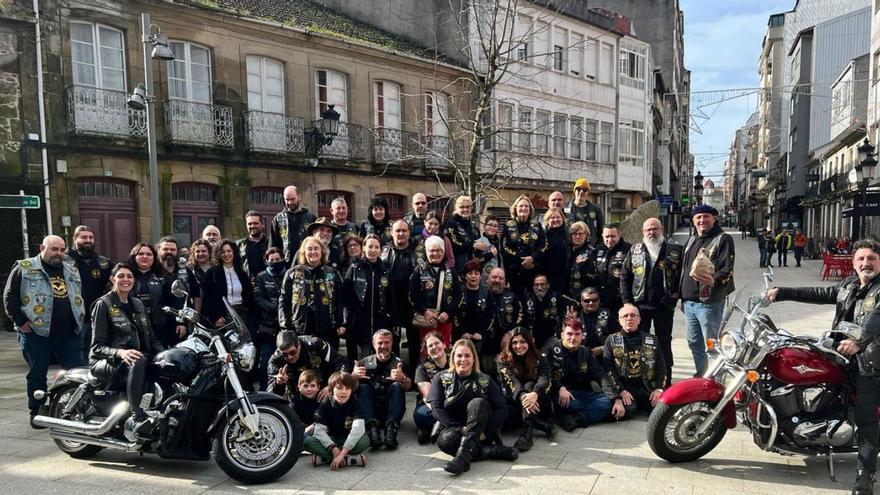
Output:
x,y
651,281
856,300
43,298
94,272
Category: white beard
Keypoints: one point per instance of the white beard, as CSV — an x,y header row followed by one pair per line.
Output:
x,y
653,246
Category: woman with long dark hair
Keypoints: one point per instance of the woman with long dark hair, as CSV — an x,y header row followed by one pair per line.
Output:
x,y
123,342
525,382
153,287
378,220
227,279
365,292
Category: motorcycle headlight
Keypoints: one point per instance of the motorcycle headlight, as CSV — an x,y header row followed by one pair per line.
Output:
x,y
246,355
731,345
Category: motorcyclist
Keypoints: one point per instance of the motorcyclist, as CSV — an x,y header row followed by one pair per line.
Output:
x,y
856,301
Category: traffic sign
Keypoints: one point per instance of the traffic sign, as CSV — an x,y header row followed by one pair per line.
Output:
x,y
17,202
665,200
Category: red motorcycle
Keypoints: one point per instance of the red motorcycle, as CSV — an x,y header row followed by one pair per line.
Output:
x,y
794,393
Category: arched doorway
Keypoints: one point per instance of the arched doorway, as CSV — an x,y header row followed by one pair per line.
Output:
x,y
194,207
109,208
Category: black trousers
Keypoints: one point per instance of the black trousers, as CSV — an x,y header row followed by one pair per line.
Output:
x,y
867,425
478,413
782,257
661,320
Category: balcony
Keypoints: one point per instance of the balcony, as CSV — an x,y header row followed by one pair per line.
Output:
x,y
442,151
273,133
396,146
198,124
103,112
350,143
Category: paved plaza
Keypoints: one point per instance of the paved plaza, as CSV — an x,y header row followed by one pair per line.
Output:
x,y
603,459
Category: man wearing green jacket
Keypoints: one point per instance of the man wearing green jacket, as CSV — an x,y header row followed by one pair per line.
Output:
x,y
783,244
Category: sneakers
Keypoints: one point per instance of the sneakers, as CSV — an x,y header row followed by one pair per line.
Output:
x,y
350,460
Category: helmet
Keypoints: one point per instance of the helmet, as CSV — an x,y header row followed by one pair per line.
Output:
x,y
179,364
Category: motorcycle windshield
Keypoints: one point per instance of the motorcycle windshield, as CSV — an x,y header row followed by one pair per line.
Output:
x,y
240,327
743,301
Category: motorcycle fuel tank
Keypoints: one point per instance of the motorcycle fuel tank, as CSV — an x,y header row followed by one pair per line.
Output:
x,y
803,367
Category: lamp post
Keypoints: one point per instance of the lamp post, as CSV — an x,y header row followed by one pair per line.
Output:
x,y
864,175
322,134
698,188
142,99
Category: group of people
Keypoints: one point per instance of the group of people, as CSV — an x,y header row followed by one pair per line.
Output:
x,y
780,244
548,321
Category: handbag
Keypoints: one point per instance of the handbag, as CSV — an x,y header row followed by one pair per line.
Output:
x,y
419,321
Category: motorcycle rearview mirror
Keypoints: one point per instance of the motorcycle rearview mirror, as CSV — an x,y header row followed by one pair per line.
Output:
x,y
178,289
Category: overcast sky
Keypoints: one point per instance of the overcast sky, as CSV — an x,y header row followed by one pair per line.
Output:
x,y
722,41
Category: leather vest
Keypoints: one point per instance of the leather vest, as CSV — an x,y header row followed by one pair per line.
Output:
x,y
290,241
379,383
551,309
302,297
525,244
477,383
363,279
869,358
382,230
609,263
670,264
429,285
589,214
635,363
36,294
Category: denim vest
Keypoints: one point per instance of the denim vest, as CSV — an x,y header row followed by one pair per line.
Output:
x,y
36,294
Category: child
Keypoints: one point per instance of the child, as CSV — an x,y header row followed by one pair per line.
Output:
x,y
339,422
305,400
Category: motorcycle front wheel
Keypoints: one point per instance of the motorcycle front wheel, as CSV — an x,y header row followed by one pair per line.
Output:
x,y
261,459
672,431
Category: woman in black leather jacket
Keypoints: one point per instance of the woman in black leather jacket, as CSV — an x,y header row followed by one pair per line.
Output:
x,y
123,343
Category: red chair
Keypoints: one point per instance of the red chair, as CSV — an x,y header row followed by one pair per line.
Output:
x,y
830,267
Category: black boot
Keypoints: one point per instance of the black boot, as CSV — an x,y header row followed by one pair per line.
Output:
x,y
423,437
373,434
547,427
391,435
567,422
499,452
461,463
864,483
526,436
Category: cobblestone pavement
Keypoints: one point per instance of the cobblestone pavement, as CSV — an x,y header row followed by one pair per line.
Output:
x,y
609,458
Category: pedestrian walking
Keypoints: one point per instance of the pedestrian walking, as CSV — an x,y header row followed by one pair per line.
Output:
x,y
800,243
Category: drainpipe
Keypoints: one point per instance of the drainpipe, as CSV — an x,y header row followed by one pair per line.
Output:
x,y
41,108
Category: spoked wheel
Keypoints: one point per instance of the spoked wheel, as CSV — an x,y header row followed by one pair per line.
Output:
x,y
260,458
672,431
56,410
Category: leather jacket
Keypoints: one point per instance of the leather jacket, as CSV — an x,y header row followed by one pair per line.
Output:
x,y
311,301
609,266
639,277
114,330
854,304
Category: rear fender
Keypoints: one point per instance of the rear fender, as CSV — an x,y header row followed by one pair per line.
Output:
x,y
66,377
699,390
233,406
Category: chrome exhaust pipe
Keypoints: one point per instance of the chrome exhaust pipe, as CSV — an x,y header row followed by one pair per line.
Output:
x,y
100,442
64,425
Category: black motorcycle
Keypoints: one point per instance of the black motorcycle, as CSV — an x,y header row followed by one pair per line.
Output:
x,y
197,403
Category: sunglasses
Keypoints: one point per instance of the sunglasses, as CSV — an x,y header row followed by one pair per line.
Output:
x,y
589,301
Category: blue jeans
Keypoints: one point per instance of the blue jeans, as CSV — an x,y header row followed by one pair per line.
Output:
x,y
390,408
423,418
37,351
702,321
762,258
591,407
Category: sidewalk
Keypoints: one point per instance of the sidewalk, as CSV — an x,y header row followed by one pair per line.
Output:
x,y
602,459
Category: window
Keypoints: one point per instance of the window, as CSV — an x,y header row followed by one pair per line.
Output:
x,y
576,54
525,127
606,137
387,105
189,74
331,89
632,67
559,41
560,122
591,139
796,65
325,199
606,63
523,39
194,207
876,66
193,193
103,189
265,84
632,143
97,56
504,126
542,43
575,137
590,59
267,201
436,116
396,205
542,132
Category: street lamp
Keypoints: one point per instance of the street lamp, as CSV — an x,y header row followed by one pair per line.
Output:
x,y
141,99
322,134
698,188
864,176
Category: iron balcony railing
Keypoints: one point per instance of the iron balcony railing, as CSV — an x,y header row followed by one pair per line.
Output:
x,y
350,143
395,146
442,151
199,124
103,112
273,133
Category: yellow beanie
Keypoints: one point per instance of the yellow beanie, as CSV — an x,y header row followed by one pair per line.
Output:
x,y
582,183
